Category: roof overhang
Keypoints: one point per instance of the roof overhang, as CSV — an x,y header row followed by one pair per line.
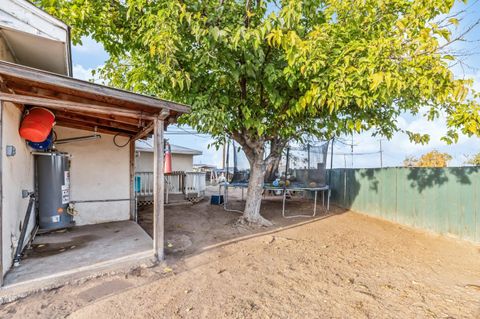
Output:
x,y
147,147
28,29
178,152
86,105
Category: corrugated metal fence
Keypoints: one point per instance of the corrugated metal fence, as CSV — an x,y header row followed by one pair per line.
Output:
x,y
442,200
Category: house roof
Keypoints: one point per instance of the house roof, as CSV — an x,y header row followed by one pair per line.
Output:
x,y
85,105
27,29
147,146
205,166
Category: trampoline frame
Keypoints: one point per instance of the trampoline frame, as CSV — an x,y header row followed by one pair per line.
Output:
x,y
285,190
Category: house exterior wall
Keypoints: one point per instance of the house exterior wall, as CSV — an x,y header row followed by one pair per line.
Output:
x,y
18,174
5,53
99,170
180,162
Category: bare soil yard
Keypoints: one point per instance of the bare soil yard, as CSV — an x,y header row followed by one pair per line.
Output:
x,y
341,265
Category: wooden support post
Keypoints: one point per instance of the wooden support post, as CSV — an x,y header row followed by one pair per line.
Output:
x,y
1,192
133,202
158,190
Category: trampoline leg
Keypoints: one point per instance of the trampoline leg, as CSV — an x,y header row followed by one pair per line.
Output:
x,y
225,197
283,204
328,200
323,199
315,205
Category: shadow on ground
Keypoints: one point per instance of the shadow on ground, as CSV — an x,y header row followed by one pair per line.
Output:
x,y
192,229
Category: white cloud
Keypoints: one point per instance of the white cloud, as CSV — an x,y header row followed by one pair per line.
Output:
x,y
89,46
79,72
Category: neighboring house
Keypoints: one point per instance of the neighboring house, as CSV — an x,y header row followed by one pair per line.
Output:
x,y
212,174
182,157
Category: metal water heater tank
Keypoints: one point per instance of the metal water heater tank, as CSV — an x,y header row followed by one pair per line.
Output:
x,y
52,173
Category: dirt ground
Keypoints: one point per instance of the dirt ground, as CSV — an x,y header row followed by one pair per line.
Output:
x,y
337,265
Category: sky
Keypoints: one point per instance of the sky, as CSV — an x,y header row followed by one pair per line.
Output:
x,y
366,149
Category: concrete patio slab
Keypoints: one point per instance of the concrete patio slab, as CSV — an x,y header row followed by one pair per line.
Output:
x,y
77,253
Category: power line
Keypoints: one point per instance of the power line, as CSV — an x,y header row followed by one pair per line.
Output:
x,y
187,132
354,154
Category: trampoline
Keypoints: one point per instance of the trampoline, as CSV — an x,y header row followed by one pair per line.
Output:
x,y
304,172
301,170
235,176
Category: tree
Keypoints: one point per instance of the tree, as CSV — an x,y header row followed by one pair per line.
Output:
x,y
430,159
410,161
267,72
474,160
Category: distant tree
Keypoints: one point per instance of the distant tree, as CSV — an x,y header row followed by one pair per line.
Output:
x,y
410,161
430,159
474,160
266,73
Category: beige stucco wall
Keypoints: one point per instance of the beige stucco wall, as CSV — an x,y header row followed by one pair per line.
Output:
x,y
99,171
180,162
5,54
18,174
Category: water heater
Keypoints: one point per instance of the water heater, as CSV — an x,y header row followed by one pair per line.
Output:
x,y
52,174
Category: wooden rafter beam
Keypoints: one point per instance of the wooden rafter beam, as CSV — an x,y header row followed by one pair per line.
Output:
x,y
147,130
108,117
32,90
99,129
92,121
18,73
72,106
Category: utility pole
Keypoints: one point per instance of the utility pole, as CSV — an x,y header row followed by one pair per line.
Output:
x,y
351,147
223,154
381,154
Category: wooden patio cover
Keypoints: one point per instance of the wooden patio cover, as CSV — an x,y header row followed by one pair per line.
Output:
x,y
85,105
89,106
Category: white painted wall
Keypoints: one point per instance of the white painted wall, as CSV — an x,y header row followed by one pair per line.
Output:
x,y
26,17
18,174
99,170
180,162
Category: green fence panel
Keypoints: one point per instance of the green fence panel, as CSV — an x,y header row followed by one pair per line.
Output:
x,y
442,200
388,189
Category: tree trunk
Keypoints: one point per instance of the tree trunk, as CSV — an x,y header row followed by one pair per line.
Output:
x,y
255,151
251,213
272,170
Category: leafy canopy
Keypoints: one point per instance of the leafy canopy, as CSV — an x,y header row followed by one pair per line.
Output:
x,y
474,160
269,71
430,159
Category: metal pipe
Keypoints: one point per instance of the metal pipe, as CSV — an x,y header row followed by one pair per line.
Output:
x,y
331,165
101,200
78,139
50,154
